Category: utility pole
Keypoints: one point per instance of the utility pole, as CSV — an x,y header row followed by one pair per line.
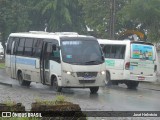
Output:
x,y
112,19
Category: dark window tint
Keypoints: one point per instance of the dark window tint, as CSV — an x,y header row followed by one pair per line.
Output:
x,y
37,43
20,49
9,45
81,51
114,51
29,42
37,46
15,46
28,52
21,42
28,47
107,49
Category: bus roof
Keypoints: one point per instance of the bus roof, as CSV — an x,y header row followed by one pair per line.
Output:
x,y
106,41
47,35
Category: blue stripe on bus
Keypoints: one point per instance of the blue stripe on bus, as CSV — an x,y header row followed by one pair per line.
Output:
x,y
25,61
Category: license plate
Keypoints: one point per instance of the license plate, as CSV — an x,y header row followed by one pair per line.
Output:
x,y
141,78
87,78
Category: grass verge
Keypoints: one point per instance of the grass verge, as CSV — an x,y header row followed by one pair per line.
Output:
x,y
2,65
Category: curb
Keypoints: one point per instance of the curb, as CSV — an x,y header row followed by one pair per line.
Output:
x,y
154,83
157,82
7,84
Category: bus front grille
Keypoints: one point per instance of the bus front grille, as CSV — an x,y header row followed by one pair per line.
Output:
x,y
86,74
87,81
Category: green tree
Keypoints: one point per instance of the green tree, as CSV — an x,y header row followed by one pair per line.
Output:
x,y
35,8
62,15
13,18
97,15
145,13
25,15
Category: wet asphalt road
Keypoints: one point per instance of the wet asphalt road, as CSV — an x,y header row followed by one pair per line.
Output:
x,y
113,98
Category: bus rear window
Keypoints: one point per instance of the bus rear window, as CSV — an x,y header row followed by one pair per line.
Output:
x,y
142,51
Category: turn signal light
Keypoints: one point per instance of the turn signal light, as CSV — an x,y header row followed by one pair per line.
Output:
x,y
127,65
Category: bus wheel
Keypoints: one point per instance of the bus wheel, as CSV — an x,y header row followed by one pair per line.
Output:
x,y
27,83
55,85
108,79
132,84
94,90
114,82
20,79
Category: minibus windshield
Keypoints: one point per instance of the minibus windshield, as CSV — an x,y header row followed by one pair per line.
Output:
x,y
142,51
81,52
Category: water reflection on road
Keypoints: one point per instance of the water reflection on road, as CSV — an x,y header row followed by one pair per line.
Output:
x,y
113,98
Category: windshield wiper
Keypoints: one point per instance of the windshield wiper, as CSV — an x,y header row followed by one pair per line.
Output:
x,y
92,61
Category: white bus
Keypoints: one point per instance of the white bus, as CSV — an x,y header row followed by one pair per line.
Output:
x,y
129,62
56,59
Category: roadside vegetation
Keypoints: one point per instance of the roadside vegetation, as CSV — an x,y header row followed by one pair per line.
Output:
x,y
59,100
60,103
2,65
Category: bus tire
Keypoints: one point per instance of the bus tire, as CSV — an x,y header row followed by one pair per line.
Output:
x,y
114,82
55,85
27,83
20,79
132,84
94,90
108,79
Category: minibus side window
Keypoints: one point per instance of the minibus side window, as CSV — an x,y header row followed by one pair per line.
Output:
x,y
15,46
37,46
55,53
9,45
28,47
20,49
114,51
107,49
123,49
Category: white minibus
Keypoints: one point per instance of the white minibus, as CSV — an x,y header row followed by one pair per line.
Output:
x,y
56,59
129,62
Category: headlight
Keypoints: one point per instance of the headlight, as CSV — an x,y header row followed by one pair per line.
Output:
x,y
103,72
69,73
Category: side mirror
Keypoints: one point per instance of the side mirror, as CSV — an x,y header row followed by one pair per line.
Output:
x,y
55,47
103,58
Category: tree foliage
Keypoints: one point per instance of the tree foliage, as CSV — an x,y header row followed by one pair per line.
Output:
x,y
13,18
62,15
97,15
145,13
77,15
25,15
